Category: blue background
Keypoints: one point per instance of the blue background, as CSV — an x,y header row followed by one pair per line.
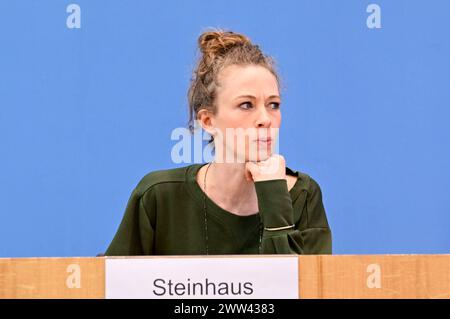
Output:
x,y
85,113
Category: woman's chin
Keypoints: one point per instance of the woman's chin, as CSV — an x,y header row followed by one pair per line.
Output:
x,y
261,156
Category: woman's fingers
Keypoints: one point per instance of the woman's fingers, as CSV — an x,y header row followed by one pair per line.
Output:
x,y
272,168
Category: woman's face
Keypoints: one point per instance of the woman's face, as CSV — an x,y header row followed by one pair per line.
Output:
x,y
248,114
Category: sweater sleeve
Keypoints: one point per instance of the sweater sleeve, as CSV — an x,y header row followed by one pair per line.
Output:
x,y
135,233
276,209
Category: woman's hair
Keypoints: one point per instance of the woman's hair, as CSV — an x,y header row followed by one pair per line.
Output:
x,y
220,49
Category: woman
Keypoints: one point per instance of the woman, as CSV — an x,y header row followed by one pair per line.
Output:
x,y
244,202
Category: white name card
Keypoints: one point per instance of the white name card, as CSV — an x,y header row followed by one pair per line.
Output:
x,y
202,278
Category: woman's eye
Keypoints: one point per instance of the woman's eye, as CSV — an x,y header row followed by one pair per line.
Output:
x,y
275,105
246,105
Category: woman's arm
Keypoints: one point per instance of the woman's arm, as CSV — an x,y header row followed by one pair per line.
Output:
x,y
135,233
310,234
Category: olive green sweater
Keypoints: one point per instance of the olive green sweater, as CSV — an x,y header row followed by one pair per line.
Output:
x,y
165,216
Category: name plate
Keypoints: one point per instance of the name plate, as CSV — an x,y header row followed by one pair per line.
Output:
x,y
202,278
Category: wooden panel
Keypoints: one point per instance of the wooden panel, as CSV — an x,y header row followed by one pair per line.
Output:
x,y
52,278
374,276
337,276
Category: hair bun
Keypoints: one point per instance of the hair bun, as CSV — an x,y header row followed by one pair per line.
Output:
x,y
216,42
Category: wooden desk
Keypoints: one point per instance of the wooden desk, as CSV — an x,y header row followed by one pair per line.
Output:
x,y
320,276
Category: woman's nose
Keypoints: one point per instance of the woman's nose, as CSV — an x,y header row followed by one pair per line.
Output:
x,y
263,118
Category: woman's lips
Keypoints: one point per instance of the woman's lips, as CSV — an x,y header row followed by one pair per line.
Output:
x,y
264,140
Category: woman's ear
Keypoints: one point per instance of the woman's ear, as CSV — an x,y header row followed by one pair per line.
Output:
x,y
205,119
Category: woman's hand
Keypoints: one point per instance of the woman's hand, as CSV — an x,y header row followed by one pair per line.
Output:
x,y
272,168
